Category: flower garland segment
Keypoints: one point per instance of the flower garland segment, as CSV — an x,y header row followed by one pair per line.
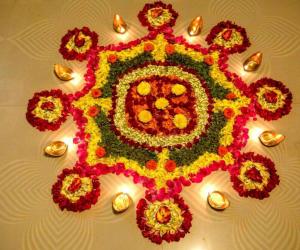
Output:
x,y
47,110
164,112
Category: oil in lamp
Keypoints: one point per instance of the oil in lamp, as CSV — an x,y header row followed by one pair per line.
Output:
x,y
121,202
217,200
195,26
119,24
253,62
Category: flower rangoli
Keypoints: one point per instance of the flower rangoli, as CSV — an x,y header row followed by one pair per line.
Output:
x,y
164,112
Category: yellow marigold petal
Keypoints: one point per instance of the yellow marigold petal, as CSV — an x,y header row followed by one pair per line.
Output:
x,y
180,121
161,103
145,116
178,89
144,88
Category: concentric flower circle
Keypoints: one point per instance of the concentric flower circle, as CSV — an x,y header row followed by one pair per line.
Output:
x,y
77,43
146,111
158,16
272,99
167,220
229,37
254,176
47,110
75,190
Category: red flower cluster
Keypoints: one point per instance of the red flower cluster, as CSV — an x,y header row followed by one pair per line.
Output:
x,y
220,27
254,175
271,97
40,123
48,106
155,237
85,201
157,5
71,54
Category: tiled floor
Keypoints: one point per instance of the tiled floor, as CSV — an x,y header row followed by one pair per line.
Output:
x,y
30,32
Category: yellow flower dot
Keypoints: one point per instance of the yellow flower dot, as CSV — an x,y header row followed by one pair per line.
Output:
x,y
145,116
161,103
180,121
178,89
144,88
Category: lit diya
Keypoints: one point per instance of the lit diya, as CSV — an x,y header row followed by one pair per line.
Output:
x,y
253,62
217,200
119,24
271,138
195,26
63,73
121,202
56,149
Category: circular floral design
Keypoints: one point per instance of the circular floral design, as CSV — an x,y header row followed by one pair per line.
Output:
x,y
167,220
75,190
158,16
77,43
164,112
152,115
47,110
229,37
254,176
272,99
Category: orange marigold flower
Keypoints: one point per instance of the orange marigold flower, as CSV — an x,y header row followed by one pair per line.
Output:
x,y
209,60
170,165
96,93
148,47
228,113
222,151
93,111
230,96
112,58
170,48
100,152
151,164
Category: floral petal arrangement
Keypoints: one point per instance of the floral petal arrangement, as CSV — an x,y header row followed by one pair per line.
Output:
x,y
165,113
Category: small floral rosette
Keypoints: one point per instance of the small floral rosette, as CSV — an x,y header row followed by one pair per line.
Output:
x,y
254,176
77,43
272,99
167,220
76,190
47,110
